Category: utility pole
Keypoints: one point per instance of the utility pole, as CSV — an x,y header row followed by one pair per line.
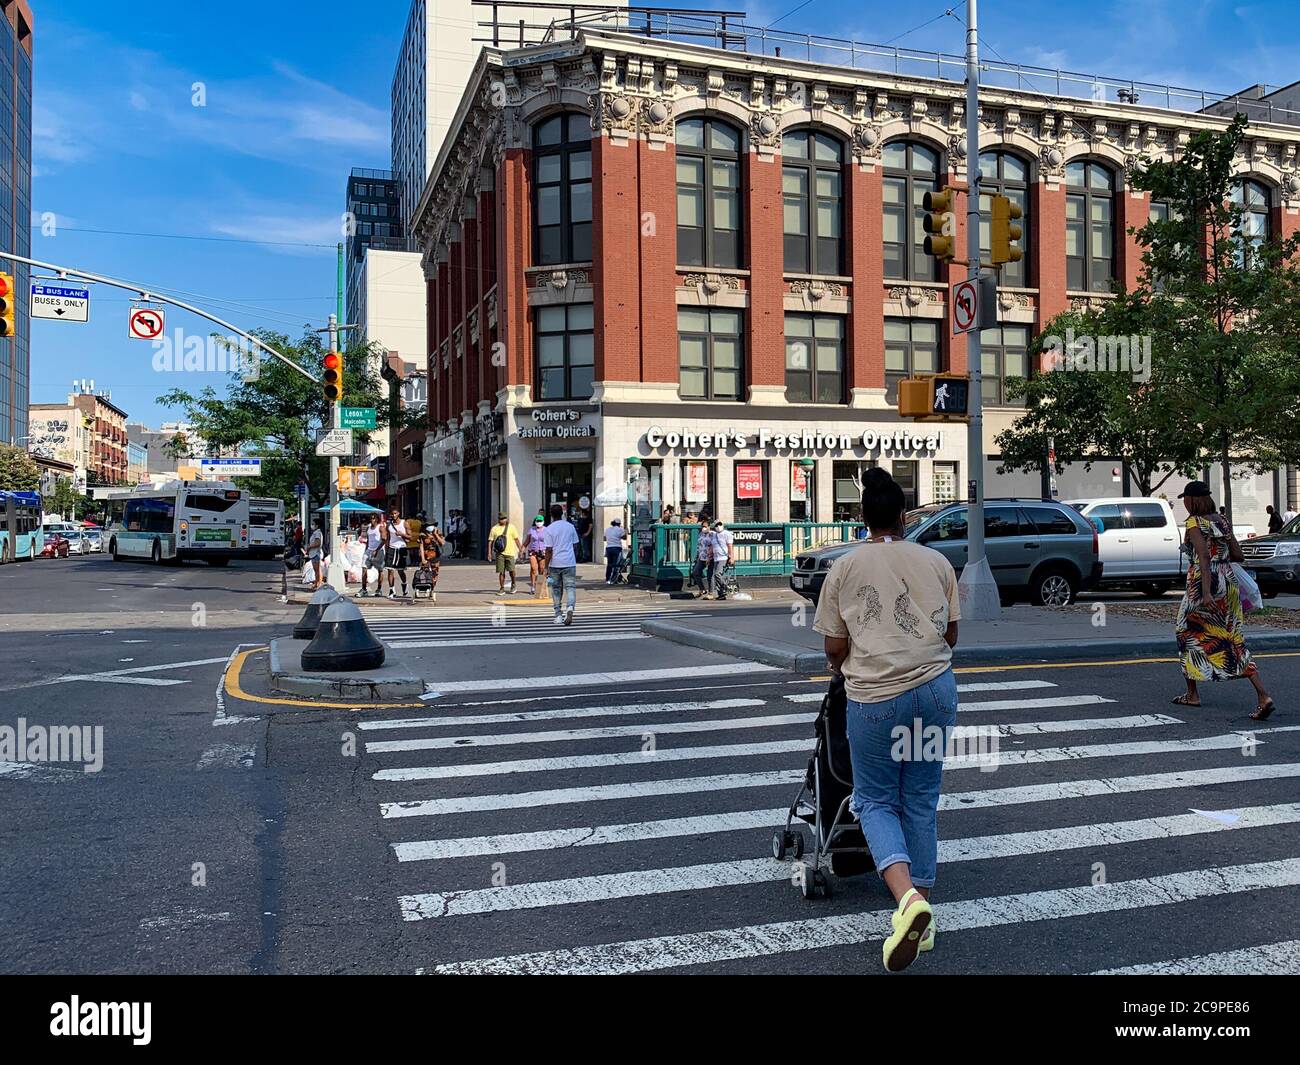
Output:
x,y
337,573
977,589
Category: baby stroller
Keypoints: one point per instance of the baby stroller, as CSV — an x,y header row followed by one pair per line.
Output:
x,y
623,567
823,804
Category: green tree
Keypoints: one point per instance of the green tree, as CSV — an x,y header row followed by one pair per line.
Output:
x,y
18,471
64,499
274,416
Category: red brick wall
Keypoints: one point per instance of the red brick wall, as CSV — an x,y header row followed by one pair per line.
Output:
x,y
765,258
1133,214
514,252
616,263
1047,249
865,354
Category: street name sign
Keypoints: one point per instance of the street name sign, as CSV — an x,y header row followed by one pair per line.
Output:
x,y
357,417
334,442
60,302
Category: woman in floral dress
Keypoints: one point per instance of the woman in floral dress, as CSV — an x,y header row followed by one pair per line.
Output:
x,y
1211,626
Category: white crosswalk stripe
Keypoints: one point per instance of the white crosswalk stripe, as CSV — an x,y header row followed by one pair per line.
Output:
x,y
503,622
616,841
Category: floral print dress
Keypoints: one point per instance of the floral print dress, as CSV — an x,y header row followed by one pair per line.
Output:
x,y
1211,636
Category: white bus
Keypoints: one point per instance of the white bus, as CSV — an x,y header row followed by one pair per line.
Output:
x,y
265,527
178,520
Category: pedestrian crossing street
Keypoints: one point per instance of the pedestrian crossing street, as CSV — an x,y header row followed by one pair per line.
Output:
x,y
478,626
620,832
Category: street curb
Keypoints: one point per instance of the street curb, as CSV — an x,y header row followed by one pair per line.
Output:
x,y
393,679
786,656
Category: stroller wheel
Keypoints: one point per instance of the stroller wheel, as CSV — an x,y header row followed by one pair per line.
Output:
x,y
823,883
797,838
779,844
808,878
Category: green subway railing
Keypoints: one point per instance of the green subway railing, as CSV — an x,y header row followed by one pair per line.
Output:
x,y
763,549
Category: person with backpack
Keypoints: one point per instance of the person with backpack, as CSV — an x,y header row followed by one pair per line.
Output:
x,y
504,546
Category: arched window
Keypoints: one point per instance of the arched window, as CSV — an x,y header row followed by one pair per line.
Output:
x,y
812,184
1089,227
562,190
1004,174
910,171
1255,225
708,193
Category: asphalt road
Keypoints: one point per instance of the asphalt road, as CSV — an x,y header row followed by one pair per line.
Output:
x,y
531,816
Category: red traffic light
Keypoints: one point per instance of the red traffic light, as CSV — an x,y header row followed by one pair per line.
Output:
x,y
4,285
333,361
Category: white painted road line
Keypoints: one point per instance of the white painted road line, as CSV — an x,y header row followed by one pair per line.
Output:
x,y
110,674
980,760
753,941
551,640
510,739
558,714
580,680
1069,724
640,882
992,686
1269,959
600,792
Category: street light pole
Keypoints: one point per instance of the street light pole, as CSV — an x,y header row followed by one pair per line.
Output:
x,y
337,572
977,589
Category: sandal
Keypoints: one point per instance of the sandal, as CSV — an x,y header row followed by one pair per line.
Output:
x,y
1262,712
1184,700
910,922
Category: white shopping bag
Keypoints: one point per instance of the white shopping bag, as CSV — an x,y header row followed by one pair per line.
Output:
x,y
1251,598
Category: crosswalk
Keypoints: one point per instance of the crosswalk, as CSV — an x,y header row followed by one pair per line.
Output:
x,y
607,834
505,624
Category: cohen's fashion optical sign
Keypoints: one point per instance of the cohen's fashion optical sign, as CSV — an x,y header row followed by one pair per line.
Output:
x,y
553,424
804,442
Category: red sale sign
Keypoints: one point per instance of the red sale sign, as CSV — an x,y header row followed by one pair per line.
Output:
x,y
749,482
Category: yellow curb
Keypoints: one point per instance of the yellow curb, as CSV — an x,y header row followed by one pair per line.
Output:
x,y
234,690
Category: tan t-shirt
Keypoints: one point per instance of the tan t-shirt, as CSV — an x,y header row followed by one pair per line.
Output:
x,y
893,601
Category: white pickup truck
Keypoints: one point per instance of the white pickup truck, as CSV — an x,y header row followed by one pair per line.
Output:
x,y
1140,542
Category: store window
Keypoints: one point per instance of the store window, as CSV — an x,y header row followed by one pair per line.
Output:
x,y
1089,227
751,498
698,490
803,490
562,190
1005,174
566,360
710,350
911,170
911,347
846,487
812,186
1004,354
814,358
905,473
708,193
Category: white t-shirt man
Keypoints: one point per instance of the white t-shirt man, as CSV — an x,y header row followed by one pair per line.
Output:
x,y
722,540
561,538
374,539
614,536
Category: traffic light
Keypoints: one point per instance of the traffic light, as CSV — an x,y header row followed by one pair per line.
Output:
x,y
940,223
7,327
941,397
1004,232
331,380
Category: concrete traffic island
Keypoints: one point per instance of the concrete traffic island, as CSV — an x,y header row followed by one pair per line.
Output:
x,y
393,680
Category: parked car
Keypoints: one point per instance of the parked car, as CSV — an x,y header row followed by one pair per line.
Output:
x,y
94,539
56,546
76,541
1035,547
1140,542
1274,559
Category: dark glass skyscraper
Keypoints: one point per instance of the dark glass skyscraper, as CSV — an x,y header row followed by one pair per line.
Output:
x,y
373,204
16,209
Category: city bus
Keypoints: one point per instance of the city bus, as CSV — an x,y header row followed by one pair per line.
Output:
x,y
21,536
178,520
265,527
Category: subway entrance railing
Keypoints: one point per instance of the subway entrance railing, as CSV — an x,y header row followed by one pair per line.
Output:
x,y
664,554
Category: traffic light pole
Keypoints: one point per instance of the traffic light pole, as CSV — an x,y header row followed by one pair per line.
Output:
x,y
337,571
977,589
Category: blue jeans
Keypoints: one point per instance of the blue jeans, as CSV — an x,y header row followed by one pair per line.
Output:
x,y
896,779
612,555
564,582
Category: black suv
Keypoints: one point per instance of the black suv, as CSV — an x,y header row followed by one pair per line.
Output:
x,y
1275,559
1037,547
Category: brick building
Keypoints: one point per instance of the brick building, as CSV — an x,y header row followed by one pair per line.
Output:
x,y
710,259
106,463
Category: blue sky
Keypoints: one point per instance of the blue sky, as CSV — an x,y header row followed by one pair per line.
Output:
x,y
299,96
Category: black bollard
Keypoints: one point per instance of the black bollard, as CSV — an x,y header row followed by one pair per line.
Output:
x,y
306,627
342,642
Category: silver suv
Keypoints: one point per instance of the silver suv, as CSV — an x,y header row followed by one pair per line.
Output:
x,y
1035,547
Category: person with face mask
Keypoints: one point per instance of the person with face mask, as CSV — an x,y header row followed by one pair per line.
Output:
x,y
535,546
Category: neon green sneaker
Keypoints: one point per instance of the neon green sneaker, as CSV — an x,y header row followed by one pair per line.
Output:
x,y
911,921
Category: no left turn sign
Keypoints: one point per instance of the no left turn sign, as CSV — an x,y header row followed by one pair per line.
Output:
x,y
145,323
965,306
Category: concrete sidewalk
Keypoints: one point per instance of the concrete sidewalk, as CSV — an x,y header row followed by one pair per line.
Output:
x,y
785,637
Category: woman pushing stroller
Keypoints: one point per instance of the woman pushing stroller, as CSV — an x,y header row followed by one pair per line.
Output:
x,y
889,612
